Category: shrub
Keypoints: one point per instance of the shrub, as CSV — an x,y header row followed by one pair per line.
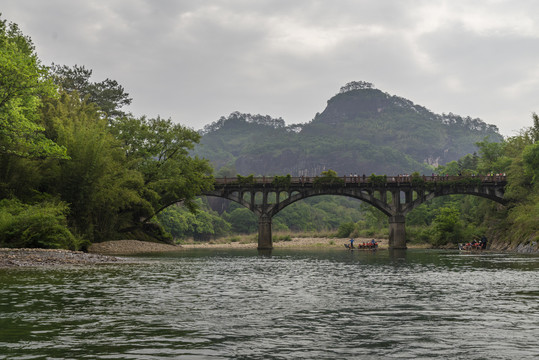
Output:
x,y
278,238
42,225
328,177
378,180
245,180
282,181
345,229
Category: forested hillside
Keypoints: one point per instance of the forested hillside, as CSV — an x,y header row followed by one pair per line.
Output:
x,y
362,130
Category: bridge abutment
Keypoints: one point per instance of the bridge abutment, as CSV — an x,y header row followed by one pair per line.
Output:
x,y
397,232
265,241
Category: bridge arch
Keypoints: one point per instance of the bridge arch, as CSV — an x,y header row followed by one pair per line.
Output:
x,y
428,197
383,207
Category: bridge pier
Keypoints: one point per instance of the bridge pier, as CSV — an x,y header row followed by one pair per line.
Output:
x,y
265,241
397,232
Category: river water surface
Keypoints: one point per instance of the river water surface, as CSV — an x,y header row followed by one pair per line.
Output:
x,y
306,304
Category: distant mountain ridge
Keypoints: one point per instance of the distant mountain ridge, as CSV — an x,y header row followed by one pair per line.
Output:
x,y
362,130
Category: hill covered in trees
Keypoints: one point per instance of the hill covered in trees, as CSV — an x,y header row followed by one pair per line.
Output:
x,y
361,130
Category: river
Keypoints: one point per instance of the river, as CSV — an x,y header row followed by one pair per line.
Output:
x,y
292,304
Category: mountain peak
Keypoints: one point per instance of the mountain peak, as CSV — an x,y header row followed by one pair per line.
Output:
x,y
356,85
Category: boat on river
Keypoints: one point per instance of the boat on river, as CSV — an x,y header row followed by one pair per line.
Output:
x,y
362,246
473,246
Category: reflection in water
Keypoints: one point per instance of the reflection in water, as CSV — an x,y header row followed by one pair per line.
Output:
x,y
265,253
398,255
293,304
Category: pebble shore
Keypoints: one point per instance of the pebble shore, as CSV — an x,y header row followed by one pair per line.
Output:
x,y
51,257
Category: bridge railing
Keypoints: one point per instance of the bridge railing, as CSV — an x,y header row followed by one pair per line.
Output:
x,y
365,179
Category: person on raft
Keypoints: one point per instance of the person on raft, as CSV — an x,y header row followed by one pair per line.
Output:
x,y
351,243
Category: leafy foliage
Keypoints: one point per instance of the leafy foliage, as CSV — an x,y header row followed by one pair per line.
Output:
x,y
96,182
23,83
74,163
108,95
159,150
327,178
447,226
345,229
242,220
201,225
377,180
282,181
245,180
42,225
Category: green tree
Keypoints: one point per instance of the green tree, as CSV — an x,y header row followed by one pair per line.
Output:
x,y
328,177
451,168
242,220
345,229
447,226
201,225
108,95
159,150
96,181
493,158
23,82
530,157
534,130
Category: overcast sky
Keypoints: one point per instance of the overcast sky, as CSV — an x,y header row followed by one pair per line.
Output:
x,y
195,61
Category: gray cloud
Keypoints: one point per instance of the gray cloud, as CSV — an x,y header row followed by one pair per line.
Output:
x,y
195,61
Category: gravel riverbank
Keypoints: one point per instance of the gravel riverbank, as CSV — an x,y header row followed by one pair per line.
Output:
x,y
51,257
132,247
295,242
104,253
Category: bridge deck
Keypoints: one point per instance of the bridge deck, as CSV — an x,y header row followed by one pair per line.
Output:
x,y
305,180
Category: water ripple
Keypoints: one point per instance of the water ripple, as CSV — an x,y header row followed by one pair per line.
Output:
x,y
294,304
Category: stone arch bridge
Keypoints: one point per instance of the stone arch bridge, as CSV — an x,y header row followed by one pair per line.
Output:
x,y
395,196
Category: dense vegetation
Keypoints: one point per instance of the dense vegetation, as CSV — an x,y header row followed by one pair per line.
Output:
x,y
74,167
